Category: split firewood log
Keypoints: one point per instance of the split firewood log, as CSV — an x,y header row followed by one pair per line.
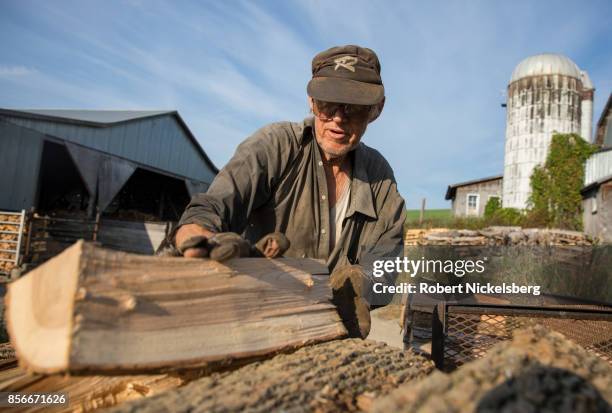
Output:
x,y
91,309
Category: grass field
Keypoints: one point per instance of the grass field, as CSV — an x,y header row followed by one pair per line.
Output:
x,y
413,214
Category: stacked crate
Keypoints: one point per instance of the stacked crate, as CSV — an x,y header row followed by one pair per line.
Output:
x,y
11,234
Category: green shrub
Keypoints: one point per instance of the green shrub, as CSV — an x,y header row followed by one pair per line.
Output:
x,y
492,206
507,217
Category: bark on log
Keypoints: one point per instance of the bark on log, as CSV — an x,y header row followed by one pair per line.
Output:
x,y
102,310
343,375
537,371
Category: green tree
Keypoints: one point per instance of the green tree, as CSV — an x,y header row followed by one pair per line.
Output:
x,y
555,186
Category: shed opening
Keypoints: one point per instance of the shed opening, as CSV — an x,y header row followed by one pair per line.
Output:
x,y
61,189
149,196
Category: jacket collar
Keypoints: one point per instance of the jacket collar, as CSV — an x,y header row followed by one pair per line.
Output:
x,y
362,198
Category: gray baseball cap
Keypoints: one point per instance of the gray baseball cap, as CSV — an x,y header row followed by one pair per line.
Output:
x,y
346,74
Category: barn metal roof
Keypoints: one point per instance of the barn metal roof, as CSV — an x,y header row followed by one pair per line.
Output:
x,y
605,112
94,116
594,185
103,119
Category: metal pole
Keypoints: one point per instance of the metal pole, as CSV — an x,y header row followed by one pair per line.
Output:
x,y
96,227
19,237
30,224
438,327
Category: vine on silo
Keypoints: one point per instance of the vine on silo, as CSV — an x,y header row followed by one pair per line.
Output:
x,y
555,187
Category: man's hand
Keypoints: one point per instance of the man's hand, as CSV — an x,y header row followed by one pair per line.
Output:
x,y
348,283
226,245
192,241
273,245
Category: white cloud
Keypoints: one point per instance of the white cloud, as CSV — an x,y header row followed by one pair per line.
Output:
x,y
15,70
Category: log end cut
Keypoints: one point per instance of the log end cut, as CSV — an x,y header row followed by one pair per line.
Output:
x,y
39,312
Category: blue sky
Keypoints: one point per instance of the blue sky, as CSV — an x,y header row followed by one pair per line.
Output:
x,y
229,67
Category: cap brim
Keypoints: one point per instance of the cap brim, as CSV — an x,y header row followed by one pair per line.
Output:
x,y
335,89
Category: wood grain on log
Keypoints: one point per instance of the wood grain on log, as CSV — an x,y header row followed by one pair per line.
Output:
x,y
102,310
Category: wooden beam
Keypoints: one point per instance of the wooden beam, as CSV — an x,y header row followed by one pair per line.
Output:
x,y
102,310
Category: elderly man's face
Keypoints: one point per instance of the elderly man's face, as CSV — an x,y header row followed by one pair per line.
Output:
x,y
339,128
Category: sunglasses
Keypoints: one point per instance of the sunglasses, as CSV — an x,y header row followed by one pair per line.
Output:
x,y
327,110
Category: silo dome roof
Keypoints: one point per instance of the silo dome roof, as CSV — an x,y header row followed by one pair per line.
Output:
x,y
546,64
586,80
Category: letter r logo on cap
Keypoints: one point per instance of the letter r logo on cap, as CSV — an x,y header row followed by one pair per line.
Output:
x,y
347,62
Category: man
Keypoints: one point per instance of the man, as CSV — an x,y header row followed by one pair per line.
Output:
x,y
332,196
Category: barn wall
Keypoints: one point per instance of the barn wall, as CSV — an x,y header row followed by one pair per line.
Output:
x,y
20,153
597,213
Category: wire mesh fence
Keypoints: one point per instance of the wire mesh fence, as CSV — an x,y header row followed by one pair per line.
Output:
x,y
460,334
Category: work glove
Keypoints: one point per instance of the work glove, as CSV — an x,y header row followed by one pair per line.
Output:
x,y
272,245
220,247
348,283
226,245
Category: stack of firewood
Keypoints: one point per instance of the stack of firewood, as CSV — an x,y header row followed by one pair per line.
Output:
x,y
497,236
99,311
417,236
6,226
109,327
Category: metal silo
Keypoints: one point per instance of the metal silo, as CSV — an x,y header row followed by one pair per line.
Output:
x,y
547,93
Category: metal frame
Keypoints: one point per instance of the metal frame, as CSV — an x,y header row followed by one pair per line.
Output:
x,y
42,229
439,326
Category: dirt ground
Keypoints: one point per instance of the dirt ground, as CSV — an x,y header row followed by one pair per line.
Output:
x,y
386,326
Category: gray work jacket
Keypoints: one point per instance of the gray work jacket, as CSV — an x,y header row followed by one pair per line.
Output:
x,y
275,182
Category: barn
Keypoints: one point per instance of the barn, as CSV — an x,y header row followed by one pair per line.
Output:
x,y
83,162
118,178
470,198
597,191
